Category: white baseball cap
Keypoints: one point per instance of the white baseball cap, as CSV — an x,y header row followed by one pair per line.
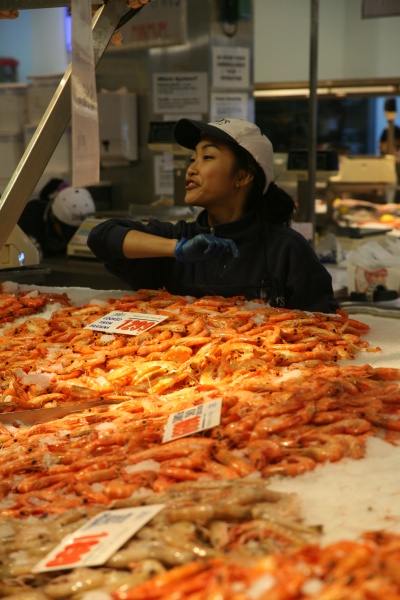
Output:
x,y
187,133
72,205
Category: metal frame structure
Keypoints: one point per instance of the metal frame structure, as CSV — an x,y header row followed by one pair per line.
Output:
x,y
107,19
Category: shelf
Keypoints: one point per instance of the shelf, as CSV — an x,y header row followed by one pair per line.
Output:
x,y
32,4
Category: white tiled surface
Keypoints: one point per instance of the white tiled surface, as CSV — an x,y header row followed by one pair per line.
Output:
x,y
385,334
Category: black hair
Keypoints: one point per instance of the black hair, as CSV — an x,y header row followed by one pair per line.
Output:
x,y
49,190
275,206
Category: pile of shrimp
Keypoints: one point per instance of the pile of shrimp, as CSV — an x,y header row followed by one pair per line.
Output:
x,y
206,520
24,303
286,407
106,453
367,569
212,341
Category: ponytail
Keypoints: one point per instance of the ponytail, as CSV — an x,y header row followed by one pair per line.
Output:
x,y
275,206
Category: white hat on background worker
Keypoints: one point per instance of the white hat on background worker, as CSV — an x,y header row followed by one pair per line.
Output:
x,y
72,205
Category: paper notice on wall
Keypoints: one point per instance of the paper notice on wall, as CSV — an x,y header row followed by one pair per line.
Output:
x,y
230,104
177,93
164,174
85,121
231,67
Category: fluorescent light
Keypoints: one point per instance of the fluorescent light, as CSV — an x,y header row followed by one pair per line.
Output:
x,y
284,92
342,91
326,91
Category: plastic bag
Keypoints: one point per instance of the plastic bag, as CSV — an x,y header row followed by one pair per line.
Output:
x,y
375,255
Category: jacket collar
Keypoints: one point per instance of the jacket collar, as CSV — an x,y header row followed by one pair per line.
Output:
x,y
241,230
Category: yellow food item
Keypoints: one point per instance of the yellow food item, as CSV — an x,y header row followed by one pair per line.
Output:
x,y
387,218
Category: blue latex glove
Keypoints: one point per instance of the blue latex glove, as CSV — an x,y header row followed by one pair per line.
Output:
x,y
204,247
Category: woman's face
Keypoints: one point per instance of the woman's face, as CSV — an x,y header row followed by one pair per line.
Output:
x,y
211,181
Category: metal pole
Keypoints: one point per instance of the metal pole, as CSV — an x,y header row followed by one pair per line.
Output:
x,y
312,138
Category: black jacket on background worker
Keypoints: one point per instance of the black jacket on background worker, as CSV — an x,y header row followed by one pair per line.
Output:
x,y
231,249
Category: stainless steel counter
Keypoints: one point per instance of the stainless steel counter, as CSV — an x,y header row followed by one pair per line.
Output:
x,y
80,272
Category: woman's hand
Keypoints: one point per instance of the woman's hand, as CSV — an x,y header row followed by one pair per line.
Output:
x,y
204,247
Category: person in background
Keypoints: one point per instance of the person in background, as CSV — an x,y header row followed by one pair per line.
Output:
x,y
384,149
240,243
383,141
52,219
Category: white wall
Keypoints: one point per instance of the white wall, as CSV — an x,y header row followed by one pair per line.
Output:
x,y
37,40
349,47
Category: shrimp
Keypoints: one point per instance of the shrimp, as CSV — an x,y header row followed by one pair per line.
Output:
x,y
81,579
321,447
261,529
164,581
280,423
229,459
140,550
290,465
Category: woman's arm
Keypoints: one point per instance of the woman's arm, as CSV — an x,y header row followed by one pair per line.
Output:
x,y
138,244
126,239
123,239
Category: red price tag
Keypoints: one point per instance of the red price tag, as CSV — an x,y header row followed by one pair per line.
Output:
x,y
186,427
128,323
97,540
192,420
76,550
134,325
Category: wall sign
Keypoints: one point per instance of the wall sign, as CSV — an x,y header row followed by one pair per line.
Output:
x,y
229,104
231,67
180,93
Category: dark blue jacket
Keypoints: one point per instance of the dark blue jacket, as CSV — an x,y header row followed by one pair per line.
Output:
x,y
280,267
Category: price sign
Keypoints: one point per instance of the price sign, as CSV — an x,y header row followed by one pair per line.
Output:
x,y
125,322
190,421
96,541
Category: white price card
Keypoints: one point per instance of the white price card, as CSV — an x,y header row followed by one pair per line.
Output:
x,y
191,420
96,541
128,323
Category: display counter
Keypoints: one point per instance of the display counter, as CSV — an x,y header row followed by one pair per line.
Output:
x,y
300,431
80,272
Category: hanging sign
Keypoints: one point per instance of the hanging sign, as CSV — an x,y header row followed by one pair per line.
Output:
x,y
85,120
159,23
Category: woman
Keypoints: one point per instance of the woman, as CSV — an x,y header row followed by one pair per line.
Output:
x,y
240,244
